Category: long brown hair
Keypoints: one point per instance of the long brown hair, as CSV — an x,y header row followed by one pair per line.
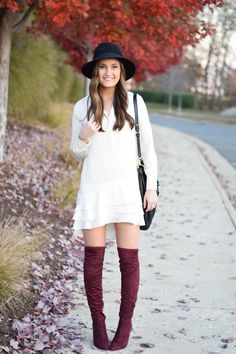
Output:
x,y
120,101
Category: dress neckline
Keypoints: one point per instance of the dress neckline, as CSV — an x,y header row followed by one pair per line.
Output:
x,y
111,111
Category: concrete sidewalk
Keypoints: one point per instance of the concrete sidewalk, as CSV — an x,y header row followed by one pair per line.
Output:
x,y
187,296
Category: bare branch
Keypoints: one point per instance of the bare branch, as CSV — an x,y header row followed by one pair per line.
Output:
x,y
25,17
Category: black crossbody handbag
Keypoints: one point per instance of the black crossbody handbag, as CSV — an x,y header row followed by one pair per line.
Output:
x,y
142,178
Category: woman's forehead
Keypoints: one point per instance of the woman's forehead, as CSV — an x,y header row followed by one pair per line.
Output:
x,y
109,61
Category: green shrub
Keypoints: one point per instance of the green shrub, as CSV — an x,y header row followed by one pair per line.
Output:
x,y
188,100
64,80
39,76
153,96
58,114
77,88
33,72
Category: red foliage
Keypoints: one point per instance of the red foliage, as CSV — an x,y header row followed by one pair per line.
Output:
x,y
10,4
152,33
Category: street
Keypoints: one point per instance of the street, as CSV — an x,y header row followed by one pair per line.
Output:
x,y
221,136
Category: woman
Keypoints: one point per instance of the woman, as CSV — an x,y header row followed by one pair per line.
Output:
x,y
103,135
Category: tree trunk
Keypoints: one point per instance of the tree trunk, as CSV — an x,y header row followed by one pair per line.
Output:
x,y
87,81
170,99
170,91
221,70
5,50
86,86
206,83
180,102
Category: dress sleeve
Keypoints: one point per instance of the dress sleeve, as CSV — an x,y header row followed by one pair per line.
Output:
x,y
78,148
147,145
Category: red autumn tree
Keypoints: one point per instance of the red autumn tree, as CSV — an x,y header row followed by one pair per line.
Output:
x,y
13,14
152,33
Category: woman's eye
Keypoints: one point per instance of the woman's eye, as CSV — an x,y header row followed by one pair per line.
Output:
x,y
103,66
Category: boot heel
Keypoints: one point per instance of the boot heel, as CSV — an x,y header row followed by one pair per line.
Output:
x,y
122,335
93,265
129,267
100,337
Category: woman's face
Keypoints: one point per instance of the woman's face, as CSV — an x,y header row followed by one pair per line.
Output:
x,y
109,71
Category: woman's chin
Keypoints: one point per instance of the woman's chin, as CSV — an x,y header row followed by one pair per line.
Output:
x,y
108,84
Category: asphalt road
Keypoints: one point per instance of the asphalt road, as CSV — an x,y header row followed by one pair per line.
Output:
x,y
221,136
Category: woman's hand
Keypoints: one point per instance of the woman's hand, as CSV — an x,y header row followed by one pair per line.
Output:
x,y
150,199
88,130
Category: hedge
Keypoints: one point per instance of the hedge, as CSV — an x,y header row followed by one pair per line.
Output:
x,y
188,100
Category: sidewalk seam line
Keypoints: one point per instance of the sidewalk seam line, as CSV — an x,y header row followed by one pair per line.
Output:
x,y
227,204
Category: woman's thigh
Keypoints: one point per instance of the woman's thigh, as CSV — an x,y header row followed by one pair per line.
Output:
x,y
95,237
127,235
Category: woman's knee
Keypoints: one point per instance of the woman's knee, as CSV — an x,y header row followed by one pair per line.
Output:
x,y
95,237
127,235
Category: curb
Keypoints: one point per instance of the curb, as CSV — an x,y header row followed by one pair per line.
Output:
x,y
227,203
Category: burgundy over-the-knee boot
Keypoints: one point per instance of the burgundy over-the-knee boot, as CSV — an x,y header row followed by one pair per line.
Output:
x,y
129,267
93,265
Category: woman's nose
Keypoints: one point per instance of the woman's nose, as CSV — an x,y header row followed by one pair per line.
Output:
x,y
108,71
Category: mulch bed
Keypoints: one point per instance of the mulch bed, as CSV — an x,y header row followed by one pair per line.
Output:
x,y
29,173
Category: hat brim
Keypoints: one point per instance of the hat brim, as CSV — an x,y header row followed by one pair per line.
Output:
x,y
129,66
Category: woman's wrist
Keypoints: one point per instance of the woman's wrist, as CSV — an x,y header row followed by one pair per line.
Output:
x,y
84,139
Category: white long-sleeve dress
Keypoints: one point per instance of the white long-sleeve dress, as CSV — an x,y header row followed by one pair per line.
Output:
x,y
109,190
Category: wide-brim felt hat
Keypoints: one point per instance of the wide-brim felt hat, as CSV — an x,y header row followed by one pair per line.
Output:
x,y
106,50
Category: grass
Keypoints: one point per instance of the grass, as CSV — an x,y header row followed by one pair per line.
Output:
x,y
64,131
66,190
39,75
58,115
17,250
192,114
59,118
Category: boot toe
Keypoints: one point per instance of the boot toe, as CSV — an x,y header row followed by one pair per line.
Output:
x,y
122,335
100,336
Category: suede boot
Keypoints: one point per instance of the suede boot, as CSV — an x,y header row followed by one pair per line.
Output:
x,y
129,267
93,265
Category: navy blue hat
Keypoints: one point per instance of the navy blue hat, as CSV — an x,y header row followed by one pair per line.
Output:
x,y
107,50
